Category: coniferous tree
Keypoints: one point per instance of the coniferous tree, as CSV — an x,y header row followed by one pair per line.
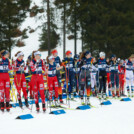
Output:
x,y
12,14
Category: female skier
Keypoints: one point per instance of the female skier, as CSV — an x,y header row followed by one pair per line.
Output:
x,y
4,80
122,72
52,79
19,78
85,78
37,81
102,65
130,76
58,64
76,71
70,80
114,75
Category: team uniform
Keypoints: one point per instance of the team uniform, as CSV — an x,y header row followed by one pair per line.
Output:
x,y
122,72
85,77
94,71
52,82
76,73
129,77
108,80
102,65
37,82
70,75
114,78
58,63
20,81
4,83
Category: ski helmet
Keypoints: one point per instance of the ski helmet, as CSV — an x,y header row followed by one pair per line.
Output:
x,y
113,56
87,52
54,51
102,54
68,52
76,56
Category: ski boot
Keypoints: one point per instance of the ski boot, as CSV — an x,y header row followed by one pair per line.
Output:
x,y
60,98
20,103
2,106
68,98
118,94
61,101
123,95
99,96
37,107
132,94
113,94
88,100
26,103
44,107
82,100
56,102
51,103
72,96
93,92
104,96
7,107
128,93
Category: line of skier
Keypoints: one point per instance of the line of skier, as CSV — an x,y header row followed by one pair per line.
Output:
x,y
81,75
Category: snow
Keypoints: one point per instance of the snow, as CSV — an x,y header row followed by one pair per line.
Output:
x,y
113,119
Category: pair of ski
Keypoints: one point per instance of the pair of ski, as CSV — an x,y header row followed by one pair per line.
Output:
x,y
84,104
62,106
102,100
22,108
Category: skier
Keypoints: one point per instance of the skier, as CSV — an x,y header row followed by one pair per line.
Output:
x,y
108,78
52,79
129,75
70,80
85,78
19,78
76,71
94,70
58,64
122,72
4,80
28,74
114,75
102,65
37,81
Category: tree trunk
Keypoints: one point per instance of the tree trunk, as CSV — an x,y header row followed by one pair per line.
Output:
x,y
48,24
75,31
82,43
64,32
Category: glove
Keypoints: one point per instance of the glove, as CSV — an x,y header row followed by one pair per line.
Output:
x,y
0,60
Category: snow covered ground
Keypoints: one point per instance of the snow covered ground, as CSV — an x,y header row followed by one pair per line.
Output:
x,y
117,118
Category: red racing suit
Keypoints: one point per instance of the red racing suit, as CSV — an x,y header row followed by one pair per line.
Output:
x,y
4,79
37,82
19,78
122,71
52,81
